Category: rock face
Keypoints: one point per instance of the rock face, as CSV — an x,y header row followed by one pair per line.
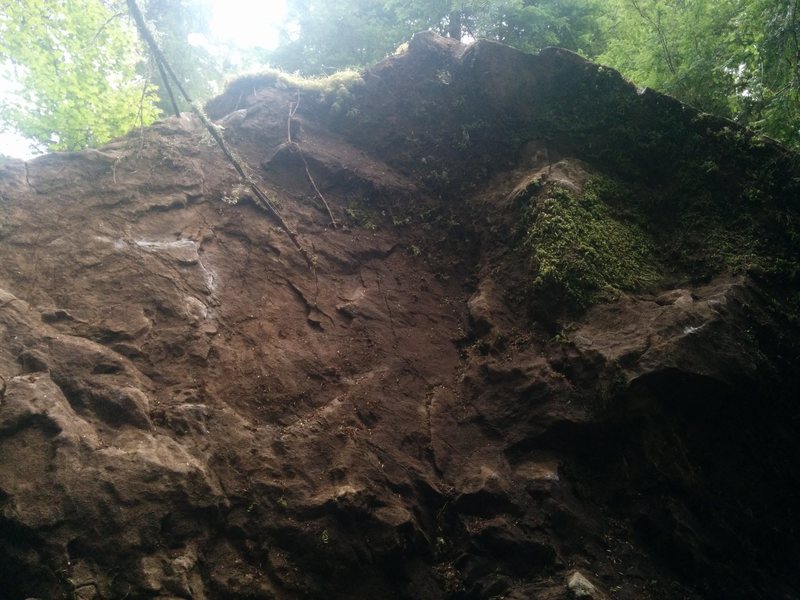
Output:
x,y
550,353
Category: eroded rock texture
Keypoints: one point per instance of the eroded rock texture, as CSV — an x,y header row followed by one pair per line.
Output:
x,y
439,408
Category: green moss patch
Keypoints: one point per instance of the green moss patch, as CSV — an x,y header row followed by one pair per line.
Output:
x,y
335,92
581,252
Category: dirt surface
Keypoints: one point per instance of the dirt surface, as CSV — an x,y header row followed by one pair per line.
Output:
x,y
189,410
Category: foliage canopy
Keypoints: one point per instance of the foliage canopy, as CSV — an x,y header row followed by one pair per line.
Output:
x,y
322,36
736,58
75,65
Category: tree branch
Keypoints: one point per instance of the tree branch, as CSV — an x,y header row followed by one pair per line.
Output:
x,y
262,200
165,80
661,36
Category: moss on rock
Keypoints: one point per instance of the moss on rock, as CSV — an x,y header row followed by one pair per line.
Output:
x,y
581,252
333,95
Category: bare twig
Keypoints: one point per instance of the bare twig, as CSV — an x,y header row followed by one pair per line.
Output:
x,y
140,115
316,189
296,147
661,35
104,25
292,109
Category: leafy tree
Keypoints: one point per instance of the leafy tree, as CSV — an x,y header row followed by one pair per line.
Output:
x,y
322,36
75,65
736,58
454,18
771,75
531,25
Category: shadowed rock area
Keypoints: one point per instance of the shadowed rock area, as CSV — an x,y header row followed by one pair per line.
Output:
x,y
549,352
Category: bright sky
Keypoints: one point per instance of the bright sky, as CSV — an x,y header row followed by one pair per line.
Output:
x,y
235,24
14,145
10,143
247,23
